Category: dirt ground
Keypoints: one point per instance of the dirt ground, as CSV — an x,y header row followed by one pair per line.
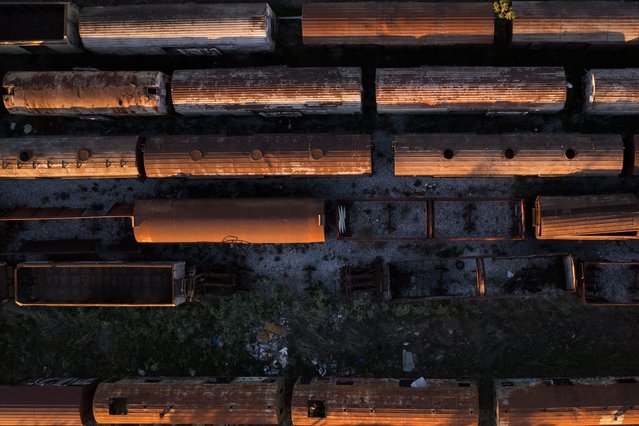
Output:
x,y
547,336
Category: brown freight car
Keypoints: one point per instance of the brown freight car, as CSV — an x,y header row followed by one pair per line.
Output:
x,y
397,24
46,402
69,157
589,217
569,402
73,93
609,283
258,155
566,23
268,91
192,29
611,91
518,154
443,89
39,27
190,400
383,402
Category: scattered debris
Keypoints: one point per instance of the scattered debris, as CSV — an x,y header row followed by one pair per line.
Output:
x,y
419,383
408,362
28,128
270,346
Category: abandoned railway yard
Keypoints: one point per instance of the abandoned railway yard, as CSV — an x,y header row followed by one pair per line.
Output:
x,y
394,226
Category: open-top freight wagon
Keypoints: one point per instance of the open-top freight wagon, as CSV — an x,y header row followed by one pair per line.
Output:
x,y
609,283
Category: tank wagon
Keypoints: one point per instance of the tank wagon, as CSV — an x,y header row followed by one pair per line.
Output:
x,y
268,91
397,24
383,402
609,283
470,90
518,154
588,401
590,217
39,27
190,400
611,91
76,93
190,29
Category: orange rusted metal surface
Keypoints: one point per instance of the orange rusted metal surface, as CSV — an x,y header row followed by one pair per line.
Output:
x,y
589,217
609,283
397,24
470,89
559,402
267,90
192,29
383,402
246,220
69,157
39,27
611,91
258,155
200,400
109,284
519,154
47,402
567,22
73,93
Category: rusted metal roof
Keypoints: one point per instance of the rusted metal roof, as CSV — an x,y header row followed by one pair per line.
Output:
x,y
470,89
242,400
267,90
46,405
69,157
611,91
243,220
609,283
258,155
397,24
73,93
589,217
39,27
383,402
562,22
586,401
518,154
152,29
110,284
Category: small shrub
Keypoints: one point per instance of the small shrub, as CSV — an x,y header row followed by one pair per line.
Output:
x,y
504,9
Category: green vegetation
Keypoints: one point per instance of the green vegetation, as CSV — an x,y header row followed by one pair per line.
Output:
x,y
504,9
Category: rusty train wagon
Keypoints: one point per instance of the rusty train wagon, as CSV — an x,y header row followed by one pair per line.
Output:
x,y
258,155
565,23
267,91
39,27
69,157
190,400
45,402
518,154
609,283
397,24
441,89
589,217
73,93
611,91
383,402
583,402
253,220
192,29
109,284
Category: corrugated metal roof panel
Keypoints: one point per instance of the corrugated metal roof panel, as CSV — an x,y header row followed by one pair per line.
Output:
x,y
596,401
151,29
384,402
261,155
397,24
69,157
470,89
245,400
611,91
590,22
554,154
73,93
267,90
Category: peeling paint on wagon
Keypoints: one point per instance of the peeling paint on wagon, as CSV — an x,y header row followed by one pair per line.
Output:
x,y
397,24
192,29
611,91
72,93
177,400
